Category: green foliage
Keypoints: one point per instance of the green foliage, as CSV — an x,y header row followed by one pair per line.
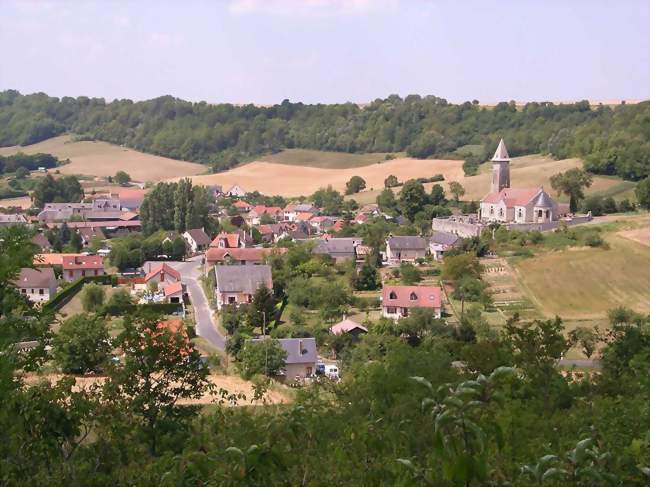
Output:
x,y
611,140
456,267
62,190
642,192
367,278
122,178
330,200
355,184
263,357
572,183
412,198
82,344
409,274
92,297
457,190
21,162
391,181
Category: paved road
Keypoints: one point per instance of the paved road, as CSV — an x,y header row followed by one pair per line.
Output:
x,y
205,325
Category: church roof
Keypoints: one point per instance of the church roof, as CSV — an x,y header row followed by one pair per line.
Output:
x,y
513,196
501,154
543,200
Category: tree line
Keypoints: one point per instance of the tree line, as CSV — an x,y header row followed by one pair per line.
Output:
x,y
611,140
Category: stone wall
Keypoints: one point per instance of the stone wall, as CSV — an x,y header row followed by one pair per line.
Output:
x,y
464,229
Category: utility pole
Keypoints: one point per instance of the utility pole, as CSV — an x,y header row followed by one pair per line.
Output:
x,y
266,345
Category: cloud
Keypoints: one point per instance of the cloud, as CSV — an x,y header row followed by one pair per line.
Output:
x,y
162,40
307,7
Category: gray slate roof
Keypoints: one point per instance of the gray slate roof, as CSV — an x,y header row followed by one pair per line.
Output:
x,y
501,154
199,236
35,278
407,243
444,238
299,350
543,200
242,278
338,247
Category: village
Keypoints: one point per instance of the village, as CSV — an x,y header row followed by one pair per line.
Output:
x,y
211,282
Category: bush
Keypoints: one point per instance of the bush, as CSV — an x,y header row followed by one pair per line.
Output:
x,y
82,344
410,274
92,297
594,240
264,357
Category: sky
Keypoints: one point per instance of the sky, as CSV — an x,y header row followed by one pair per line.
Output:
x,y
327,51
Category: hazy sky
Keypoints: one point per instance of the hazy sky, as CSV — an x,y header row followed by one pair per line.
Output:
x,y
263,51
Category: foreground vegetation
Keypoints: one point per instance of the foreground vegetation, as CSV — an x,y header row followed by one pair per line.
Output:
x,y
431,405
611,140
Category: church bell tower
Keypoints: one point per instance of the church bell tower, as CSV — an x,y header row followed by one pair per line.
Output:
x,y
500,168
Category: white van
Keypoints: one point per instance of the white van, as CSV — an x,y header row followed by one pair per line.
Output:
x,y
332,372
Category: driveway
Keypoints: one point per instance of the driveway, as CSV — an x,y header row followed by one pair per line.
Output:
x,y
205,325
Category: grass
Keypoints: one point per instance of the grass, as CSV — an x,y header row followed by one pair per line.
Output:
x,y
325,159
104,159
584,283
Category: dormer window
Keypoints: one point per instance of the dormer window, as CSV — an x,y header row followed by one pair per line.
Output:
x,y
392,295
413,297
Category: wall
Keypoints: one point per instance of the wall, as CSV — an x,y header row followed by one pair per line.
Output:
x,y
462,229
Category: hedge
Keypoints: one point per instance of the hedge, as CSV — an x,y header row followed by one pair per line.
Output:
x,y
158,308
69,292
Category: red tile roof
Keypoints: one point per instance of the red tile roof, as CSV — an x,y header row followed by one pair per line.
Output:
x,y
512,196
304,216
271,210
231,239
163,268
83,262
256,254
412,296
51,259
242,205
173,288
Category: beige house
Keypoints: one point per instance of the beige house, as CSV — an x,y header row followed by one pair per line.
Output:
x,y
405,249
237,284
39,285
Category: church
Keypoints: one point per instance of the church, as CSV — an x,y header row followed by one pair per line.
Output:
x,y
504,204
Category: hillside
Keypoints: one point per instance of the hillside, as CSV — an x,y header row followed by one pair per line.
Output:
x,y
324,159
285,180
223,135
526,171
104,159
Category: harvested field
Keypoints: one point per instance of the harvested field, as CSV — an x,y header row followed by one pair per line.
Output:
x,y
104,159
585,283
233,384
22,202
641,235
324,159
280,179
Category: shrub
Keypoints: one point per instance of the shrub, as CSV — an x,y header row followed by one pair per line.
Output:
x,y
92,297
82,344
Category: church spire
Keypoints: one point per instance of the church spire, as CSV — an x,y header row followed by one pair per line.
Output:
x,y
501,154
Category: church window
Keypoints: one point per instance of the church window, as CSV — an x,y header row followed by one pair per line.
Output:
x,y
501,212
491,210
519,213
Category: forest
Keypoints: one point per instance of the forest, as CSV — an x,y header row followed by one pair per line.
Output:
x,y
611,140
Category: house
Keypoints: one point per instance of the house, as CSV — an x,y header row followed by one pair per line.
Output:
x,y
240,256
302,356
397,301
216,190
196,239
75,267
504,204
339,249
272,232
130,198
323,223
291,211
405,249
236,191
50,259
441,242
38,285
237,284
348,326
254,217
41,242
242,206
162,274
174,292
87,234
230,240
12,219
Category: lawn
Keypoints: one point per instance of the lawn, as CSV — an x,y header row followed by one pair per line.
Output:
x,y
104,159
324,159
584,283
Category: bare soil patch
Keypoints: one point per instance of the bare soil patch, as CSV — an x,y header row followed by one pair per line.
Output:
x,y
640,235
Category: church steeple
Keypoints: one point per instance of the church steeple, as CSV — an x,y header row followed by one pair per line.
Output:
x,y
500,168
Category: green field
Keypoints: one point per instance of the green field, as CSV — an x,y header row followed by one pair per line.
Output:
x,y
584,283
325,159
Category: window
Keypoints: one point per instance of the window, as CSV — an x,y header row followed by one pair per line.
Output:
x,y
405,311
491,210
231,299
41,291
23,290
500,212
520,213
392,295
413,297
539,213
83,273
70,274
96,271
309,371
390,310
